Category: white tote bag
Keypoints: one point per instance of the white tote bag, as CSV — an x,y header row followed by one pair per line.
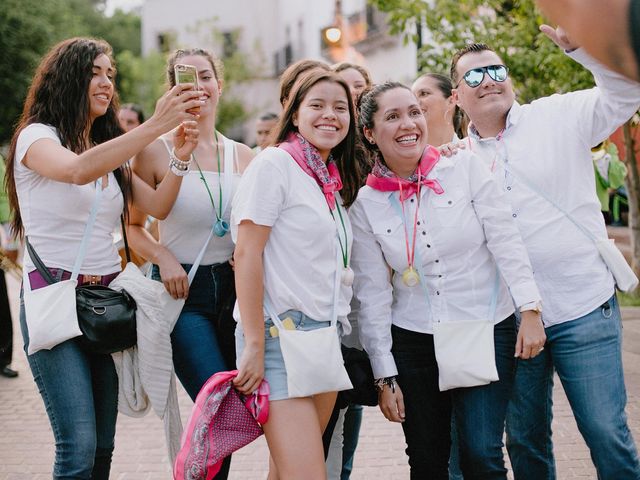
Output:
x,y
465,350
50,311
50,314
626,280
313,359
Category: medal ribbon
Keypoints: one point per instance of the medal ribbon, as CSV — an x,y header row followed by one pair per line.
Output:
x,y
411,252
215,210
343,247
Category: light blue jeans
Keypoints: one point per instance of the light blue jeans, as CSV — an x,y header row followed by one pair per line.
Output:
x,y
80,394
586,353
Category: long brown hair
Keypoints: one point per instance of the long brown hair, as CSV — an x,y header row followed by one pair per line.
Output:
x,y
344,152
59,96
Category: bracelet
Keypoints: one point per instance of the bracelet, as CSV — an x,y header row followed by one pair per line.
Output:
x,y
380,383
182,164
178,171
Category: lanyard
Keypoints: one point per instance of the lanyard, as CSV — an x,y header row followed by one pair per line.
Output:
x,y
344,246
411,251
217,211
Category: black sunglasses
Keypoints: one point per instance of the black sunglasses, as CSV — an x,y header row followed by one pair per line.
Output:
x,y
475,76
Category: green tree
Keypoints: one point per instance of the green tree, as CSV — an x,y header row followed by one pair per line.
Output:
x,y
537,66
28,28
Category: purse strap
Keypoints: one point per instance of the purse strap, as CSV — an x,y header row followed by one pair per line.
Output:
x,y
43,270
124,237
533,187
395,203
268,305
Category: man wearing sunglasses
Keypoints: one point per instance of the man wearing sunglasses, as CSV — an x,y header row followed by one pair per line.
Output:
x,y
538,152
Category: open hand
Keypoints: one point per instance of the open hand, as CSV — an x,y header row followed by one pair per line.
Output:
x,y
559,37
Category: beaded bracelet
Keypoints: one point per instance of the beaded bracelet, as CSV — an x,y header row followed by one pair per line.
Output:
x,y
182,163
178,167
379,383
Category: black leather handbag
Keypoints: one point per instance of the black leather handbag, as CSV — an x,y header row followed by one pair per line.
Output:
x,y
358,367
106,317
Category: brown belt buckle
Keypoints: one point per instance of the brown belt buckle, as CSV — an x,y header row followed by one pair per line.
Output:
x,y
92,279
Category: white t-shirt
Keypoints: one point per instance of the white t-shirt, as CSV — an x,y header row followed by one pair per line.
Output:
x,y
55,213
300,255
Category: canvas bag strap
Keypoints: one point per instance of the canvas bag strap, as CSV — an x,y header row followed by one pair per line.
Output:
x,y
548,198
83,245
268,305
227,175
395,203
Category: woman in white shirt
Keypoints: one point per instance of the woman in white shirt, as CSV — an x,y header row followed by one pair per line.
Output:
x,y
445,121
430,236
285,218
66,141
203,337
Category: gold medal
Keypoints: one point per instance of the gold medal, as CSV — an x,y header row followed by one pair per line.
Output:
x,y
410,277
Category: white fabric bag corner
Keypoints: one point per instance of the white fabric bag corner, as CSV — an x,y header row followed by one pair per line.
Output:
x,y
625,279
50,314
465,353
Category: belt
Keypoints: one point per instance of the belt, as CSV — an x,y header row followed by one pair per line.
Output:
x,y
37,281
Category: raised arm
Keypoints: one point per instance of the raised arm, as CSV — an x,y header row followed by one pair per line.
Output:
x,y
97,161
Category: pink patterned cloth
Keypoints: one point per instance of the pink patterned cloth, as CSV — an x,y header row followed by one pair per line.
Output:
x,y
309,159
384,180
221,422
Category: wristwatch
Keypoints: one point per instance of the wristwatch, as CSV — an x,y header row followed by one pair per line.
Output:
x,y
532,306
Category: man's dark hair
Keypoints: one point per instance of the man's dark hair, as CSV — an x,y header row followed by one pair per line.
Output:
x,y
471,48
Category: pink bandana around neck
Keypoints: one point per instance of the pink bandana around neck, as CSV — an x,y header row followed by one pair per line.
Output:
x,y
384,180
309,159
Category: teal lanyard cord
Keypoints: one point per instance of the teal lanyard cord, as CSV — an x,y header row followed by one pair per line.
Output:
x,y
343,247
218,214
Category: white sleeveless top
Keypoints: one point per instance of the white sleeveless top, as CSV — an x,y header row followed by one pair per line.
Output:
x,y
187,226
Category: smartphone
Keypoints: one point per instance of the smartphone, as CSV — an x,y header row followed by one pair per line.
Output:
x,y
186,74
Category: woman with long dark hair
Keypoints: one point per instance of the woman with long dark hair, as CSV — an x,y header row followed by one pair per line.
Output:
x,y
285,218
64,143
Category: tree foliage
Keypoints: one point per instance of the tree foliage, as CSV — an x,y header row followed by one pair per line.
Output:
x,y
538,67
29,28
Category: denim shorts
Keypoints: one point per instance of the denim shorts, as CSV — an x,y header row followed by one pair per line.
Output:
x,y
274,370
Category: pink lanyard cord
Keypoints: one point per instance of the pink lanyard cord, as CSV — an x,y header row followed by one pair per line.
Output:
x,y
411,252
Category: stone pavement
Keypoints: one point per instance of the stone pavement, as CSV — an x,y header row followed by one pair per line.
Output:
x,y
26,441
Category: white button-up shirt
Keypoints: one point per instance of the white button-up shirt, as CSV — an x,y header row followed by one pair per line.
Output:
x,y
548,142
462,235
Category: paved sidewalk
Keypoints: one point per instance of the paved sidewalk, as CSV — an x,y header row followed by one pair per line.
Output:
x,y
26,441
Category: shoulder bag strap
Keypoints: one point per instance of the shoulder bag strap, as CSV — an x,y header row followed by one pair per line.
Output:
x,y
44,271
227,175
544,195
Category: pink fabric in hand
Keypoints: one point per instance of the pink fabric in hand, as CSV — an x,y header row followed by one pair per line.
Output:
x,y
221,422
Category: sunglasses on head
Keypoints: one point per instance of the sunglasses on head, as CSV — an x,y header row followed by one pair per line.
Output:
x,y
475,76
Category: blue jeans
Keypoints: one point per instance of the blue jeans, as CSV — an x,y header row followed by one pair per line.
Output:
x,y
480,412
196,339
196,349
80,394
586,353
351,433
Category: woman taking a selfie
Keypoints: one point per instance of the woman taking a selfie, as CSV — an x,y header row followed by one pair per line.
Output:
x,y
65,142
290,227
202,202
434,243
